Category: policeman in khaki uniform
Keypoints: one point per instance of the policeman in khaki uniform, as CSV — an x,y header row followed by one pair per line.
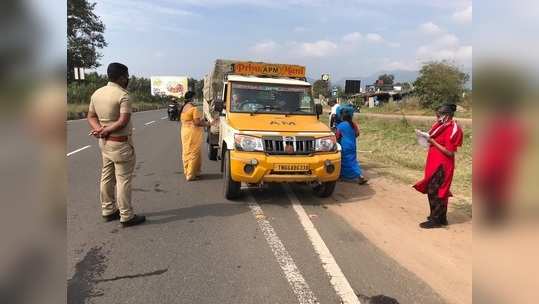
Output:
x,y
109,117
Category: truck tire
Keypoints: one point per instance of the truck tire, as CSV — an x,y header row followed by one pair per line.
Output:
x,y
232,189
325,189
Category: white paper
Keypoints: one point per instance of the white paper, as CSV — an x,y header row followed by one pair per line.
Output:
x,y
422,138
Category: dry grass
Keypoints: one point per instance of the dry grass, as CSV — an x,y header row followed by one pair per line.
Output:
x,y
411,106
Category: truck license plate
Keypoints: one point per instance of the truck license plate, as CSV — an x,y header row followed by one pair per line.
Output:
x,y
291,167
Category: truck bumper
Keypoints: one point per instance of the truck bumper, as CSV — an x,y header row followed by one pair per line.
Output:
x,y
256,167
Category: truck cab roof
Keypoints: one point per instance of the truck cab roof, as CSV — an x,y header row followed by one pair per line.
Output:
x,y
268,80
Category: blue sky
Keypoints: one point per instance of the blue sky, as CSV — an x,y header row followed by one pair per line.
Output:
x,y
342,37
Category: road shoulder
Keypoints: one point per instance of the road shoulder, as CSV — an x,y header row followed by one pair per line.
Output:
x,y
389,219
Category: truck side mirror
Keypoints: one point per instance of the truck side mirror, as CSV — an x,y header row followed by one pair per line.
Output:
x,y
218,106
319,110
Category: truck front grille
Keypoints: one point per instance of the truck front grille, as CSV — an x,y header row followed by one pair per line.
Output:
x,y
286,145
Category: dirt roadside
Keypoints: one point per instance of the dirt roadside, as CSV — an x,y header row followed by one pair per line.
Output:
x,y
388,213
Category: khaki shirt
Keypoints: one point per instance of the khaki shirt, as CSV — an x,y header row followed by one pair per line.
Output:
x,y
108,102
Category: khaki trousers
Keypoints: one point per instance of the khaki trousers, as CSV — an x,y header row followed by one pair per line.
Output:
x,y
116,178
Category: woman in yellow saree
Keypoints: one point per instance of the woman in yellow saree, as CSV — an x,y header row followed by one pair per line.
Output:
x,y
192,133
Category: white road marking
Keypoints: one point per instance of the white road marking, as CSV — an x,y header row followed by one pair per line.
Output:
x,y
149,123
336,277
164,117
78,150
299,286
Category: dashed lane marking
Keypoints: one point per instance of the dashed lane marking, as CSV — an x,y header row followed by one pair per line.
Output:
x,y
336,277
78,150
301,289
163,118
149,123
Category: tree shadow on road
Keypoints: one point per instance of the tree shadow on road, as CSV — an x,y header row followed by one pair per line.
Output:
x,y
194,212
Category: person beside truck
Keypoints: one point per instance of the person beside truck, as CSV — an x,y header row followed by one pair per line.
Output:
x,y
192,137
347,132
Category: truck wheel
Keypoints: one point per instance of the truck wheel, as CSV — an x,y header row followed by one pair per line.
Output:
x,y
232,189
325,189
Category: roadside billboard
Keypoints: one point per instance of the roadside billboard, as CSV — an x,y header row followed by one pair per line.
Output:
x,y
169,85
352,87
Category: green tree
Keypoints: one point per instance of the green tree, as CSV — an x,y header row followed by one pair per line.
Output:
x,y
387,78
84,36
321,87
340,91
440,82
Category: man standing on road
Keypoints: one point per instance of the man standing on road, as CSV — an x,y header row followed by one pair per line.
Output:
x,y
109,116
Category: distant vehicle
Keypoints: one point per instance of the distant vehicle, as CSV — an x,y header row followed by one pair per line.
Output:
x,y
173,111
268,127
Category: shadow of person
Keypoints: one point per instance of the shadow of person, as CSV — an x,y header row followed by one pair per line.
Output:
x,y
348,192
378,299
194,212
212,176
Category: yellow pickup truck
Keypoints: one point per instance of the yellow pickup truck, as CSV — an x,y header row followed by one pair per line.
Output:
x,y
266,127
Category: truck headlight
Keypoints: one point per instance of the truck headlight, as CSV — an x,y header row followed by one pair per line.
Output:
x,y
326,144
248,143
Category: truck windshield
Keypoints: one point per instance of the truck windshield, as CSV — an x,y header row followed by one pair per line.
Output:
x,y
267,98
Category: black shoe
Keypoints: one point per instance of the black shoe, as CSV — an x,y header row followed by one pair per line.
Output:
x,y
444,222
362,180
112,217
430,225
137,219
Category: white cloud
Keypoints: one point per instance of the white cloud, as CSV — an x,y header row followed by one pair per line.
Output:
x,y
464,54
352,37
447,40
375,38
447,47
378,39
463,16
320,48
264,47
300,29
399,65
430,28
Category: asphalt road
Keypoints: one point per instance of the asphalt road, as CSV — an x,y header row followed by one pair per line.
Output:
x,y
197,247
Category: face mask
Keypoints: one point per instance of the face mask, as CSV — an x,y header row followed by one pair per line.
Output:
x,y
443,118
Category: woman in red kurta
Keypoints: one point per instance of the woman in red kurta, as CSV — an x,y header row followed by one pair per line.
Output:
x,y
445,137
